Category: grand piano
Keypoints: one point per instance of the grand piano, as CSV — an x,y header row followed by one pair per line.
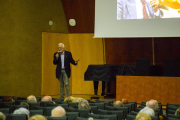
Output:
x,y
105,73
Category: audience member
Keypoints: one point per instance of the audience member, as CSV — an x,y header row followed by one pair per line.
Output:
x,y
125,101
83,104
7,99
148,111
73,99
58,112
31,99
37,117
118,104
2,116
152,104
143,116
24,103
177,112
22,111
47,98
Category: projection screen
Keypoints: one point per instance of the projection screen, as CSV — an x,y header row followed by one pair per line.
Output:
x,y
124,18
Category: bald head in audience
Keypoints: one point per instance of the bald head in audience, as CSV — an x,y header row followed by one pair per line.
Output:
x,y
37,117
118,104
2,116
152,104
46,98
31,99
58,112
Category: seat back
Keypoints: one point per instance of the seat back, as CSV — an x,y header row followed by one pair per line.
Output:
x,y
119,113
5,110
99,105
56,118
94,109
97,116
47,110
52,105
44,103
36,112
32,105
16,117
130,117
72,115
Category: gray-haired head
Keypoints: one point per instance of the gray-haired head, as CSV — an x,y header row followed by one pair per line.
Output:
x,y
31,99
2,116
61,44
148,111
118,104
90,118
58,112
83,104
177,112
22,111
152,104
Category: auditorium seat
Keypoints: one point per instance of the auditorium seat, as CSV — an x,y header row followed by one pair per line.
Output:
x,y
18,102
99,105
32,105
94,109
44,103
80,118
170,118
72,104
36,112
173,116
56,118
14,107
21,98
4,104
5,110
130,117
54,105
119,113
82,112
125,109
16,117
130,106
72,115
97,116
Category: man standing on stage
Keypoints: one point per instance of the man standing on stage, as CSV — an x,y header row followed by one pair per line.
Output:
x,y
63,59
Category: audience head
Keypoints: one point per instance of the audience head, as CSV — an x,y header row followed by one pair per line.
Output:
x,y
125,101
2,116
7,99
143,116
46,98
37,117
31,99
69,99
90,118
83,104
118,104
22,111
152,104
148,111
58,112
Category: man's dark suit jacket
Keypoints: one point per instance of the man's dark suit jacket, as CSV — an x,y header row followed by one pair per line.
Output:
x,y
67,60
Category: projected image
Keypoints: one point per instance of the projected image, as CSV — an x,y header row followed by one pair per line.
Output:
x,y
147,9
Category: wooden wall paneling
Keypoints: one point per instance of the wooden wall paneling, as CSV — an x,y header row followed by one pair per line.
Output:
x,y
83,11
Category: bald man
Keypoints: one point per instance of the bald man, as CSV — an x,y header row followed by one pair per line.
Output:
x,y
31,99
118,104
152,104
47,98
58,112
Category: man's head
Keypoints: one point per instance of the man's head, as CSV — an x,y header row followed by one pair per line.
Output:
x,y
22,111
125,101
148,111
2,116
152,104
7,99
143,116
83,104
37,117
118,104
46,98
58,112
31,99
61,47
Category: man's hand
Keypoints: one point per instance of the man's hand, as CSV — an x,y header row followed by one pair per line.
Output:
x,y
154,4
57,55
